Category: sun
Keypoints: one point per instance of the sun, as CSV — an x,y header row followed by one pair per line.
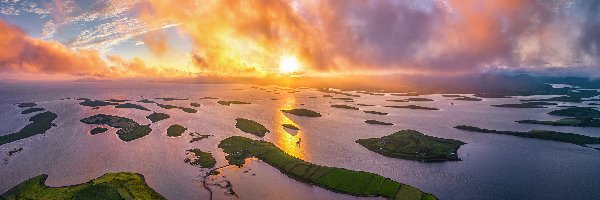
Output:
x,y
288,64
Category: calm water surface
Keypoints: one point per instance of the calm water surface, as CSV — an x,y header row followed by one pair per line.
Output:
x,y
492,166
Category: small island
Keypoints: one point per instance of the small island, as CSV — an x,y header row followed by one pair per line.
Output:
x,y
175,130
228,103
290,126
98,130
526,105
397,100
146,101
356,183
26,105
200,158
131,105
123,185
371,121
171,99
415,107
413,145
577,112
465,98
187,110
155,117
251,127
96,103
197,137
195,105
572,138
577,122
40,123
129,130
32,110
418,99
302,112
345,107
375,112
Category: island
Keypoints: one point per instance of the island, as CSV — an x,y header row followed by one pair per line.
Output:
x,y
302,112
465,98
415,107
526,105
197,136
175,130
572,138
375,112
171,99
589,112
208,98
577,122
195,105
290,126
123,185
200,158
228,103
371,121
131,105
413,145
98,130
26,105
96,103
32,110
345,107
397,100
129,130
356,183
343,98
362,104
155,117
418,99
40,123
187,110
251,127
146,101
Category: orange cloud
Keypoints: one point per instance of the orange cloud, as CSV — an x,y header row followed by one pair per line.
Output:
x,y
156,41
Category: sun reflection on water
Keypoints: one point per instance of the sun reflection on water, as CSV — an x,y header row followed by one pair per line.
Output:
x,y
288,141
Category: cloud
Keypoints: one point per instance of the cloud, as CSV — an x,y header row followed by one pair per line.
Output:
x,y
156,41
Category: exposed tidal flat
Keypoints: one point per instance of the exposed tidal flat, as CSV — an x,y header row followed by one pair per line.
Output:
x,y
490,163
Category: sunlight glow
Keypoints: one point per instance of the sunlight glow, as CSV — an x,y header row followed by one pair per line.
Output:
x,y
288,64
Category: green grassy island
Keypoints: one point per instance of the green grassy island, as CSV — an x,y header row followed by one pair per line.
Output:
x,y
110,186
228,103
375,112
577,112
526,105
345,107
572,138
128,129
371,121
187,110
578,122
98,130
32,110
290,126
131,105
201,158
40,123
251,127
415,107
302,112
155,117
413,145
356,183
175,130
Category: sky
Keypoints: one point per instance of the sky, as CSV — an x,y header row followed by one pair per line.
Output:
x,y
190,38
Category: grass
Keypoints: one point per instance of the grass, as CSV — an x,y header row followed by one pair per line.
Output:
x,y
131,105
413,145
128,129
26,105
375,112
370,121
251,127
32,110
526,105
155,117
290,126
202,159
345,107
302,112
123,185
228,103
572,138
98,130
187,110
175,130
356,183
577,112
40,123
415,107
577,122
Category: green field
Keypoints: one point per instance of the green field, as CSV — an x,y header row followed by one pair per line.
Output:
x,y
40,123
251,127
572,138
413,145
175,130
110,186
302,112
356,183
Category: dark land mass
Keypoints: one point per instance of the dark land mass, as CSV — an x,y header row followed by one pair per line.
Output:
x,y
343,98
526,105
118,100
228,103
155,117
398,100
98,130
290,126
370,121
26,105
195,105
467,99
356,183
345,107
362,104
375,112
413,145
209,98
251,127
129,130
184,109
110,186
175,130
329,90
415,107
197,137
418,99
97,103
572,138
32,110
146,101
171,99
452,95
577,122
131,105
302,112
40,123
587,112
201,158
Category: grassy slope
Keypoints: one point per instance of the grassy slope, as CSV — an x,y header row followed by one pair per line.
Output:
x,y
351,182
